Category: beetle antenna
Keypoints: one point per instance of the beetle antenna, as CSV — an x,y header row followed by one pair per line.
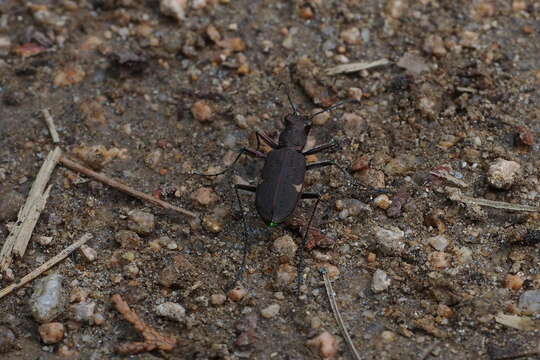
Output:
x,y
289,97
332,107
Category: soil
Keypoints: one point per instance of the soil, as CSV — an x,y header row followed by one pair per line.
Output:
x,y
120,79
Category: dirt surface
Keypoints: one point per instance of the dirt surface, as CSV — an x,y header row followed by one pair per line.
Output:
x,y
147,98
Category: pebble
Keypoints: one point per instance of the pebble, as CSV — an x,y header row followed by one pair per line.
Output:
x,y
354,124
285,275
355,93
503,173
396,8
529,302
45,240
439,260
321,118
212,223
464,255
438,242
285,247
171,311
51,333
380,281
204,196
70,75
400,166
351,36
388,336
390,239
270,311
141,222
351,207
325,343
217,299
213,33
415,64
128,239
202,111
382,201
174,8
98,319
331,270
89,253
10,203
513,282
47,301
445,311
237,294
83,311
434,45
7,339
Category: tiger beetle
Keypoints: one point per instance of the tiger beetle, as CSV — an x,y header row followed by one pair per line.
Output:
x,y
281,188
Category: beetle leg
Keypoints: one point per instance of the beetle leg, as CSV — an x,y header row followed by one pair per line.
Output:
x,y
319,164
320,148
307,195
245,250
267,139
242,151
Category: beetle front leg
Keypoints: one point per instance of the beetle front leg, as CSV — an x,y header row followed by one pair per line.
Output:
x,y
320,148
266,139
242,151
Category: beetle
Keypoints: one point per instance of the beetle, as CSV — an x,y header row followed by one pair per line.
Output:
x,y
283,173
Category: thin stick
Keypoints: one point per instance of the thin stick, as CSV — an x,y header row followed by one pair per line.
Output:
x,y
337,314
124,188
50,125
46,266
456,195
354,67
35,202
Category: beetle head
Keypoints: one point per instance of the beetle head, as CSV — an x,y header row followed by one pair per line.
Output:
x,y
296,131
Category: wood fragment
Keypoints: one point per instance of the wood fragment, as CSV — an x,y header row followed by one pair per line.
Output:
x,y
455,195
50,124
357,66
124,188
337,314
46,265
152,338
17,240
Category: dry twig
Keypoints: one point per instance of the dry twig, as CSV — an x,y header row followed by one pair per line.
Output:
x,y
124,188
20,234
357,66
152,339
455,195
50,125
46,265
337,314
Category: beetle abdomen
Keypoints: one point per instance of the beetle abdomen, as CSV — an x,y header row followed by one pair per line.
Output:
x,y
281,186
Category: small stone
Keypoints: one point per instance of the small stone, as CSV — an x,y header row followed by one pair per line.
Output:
x,y
388,336
213,33
415,64
305,12
51,333
355,93
285,275
89,253
519,5
174,8
513,282
331,270
171,311
204,196
390,239
212,223
83,311
65,352
321,118
464,255
401,165
325,343
525,135
217,299
285,248
434,45
237,294
10,203
153,158
128,239
78,294
445,311
270,311
439,260
351,36
380,281
503,173
45,240
141,222
354,125
529,302
469,39
70,75
202,111
235,44
382,201
7,339
98,319
47,300
438,242
371,258
396,8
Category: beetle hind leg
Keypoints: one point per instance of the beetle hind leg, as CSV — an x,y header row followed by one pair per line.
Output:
x,y
301,265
